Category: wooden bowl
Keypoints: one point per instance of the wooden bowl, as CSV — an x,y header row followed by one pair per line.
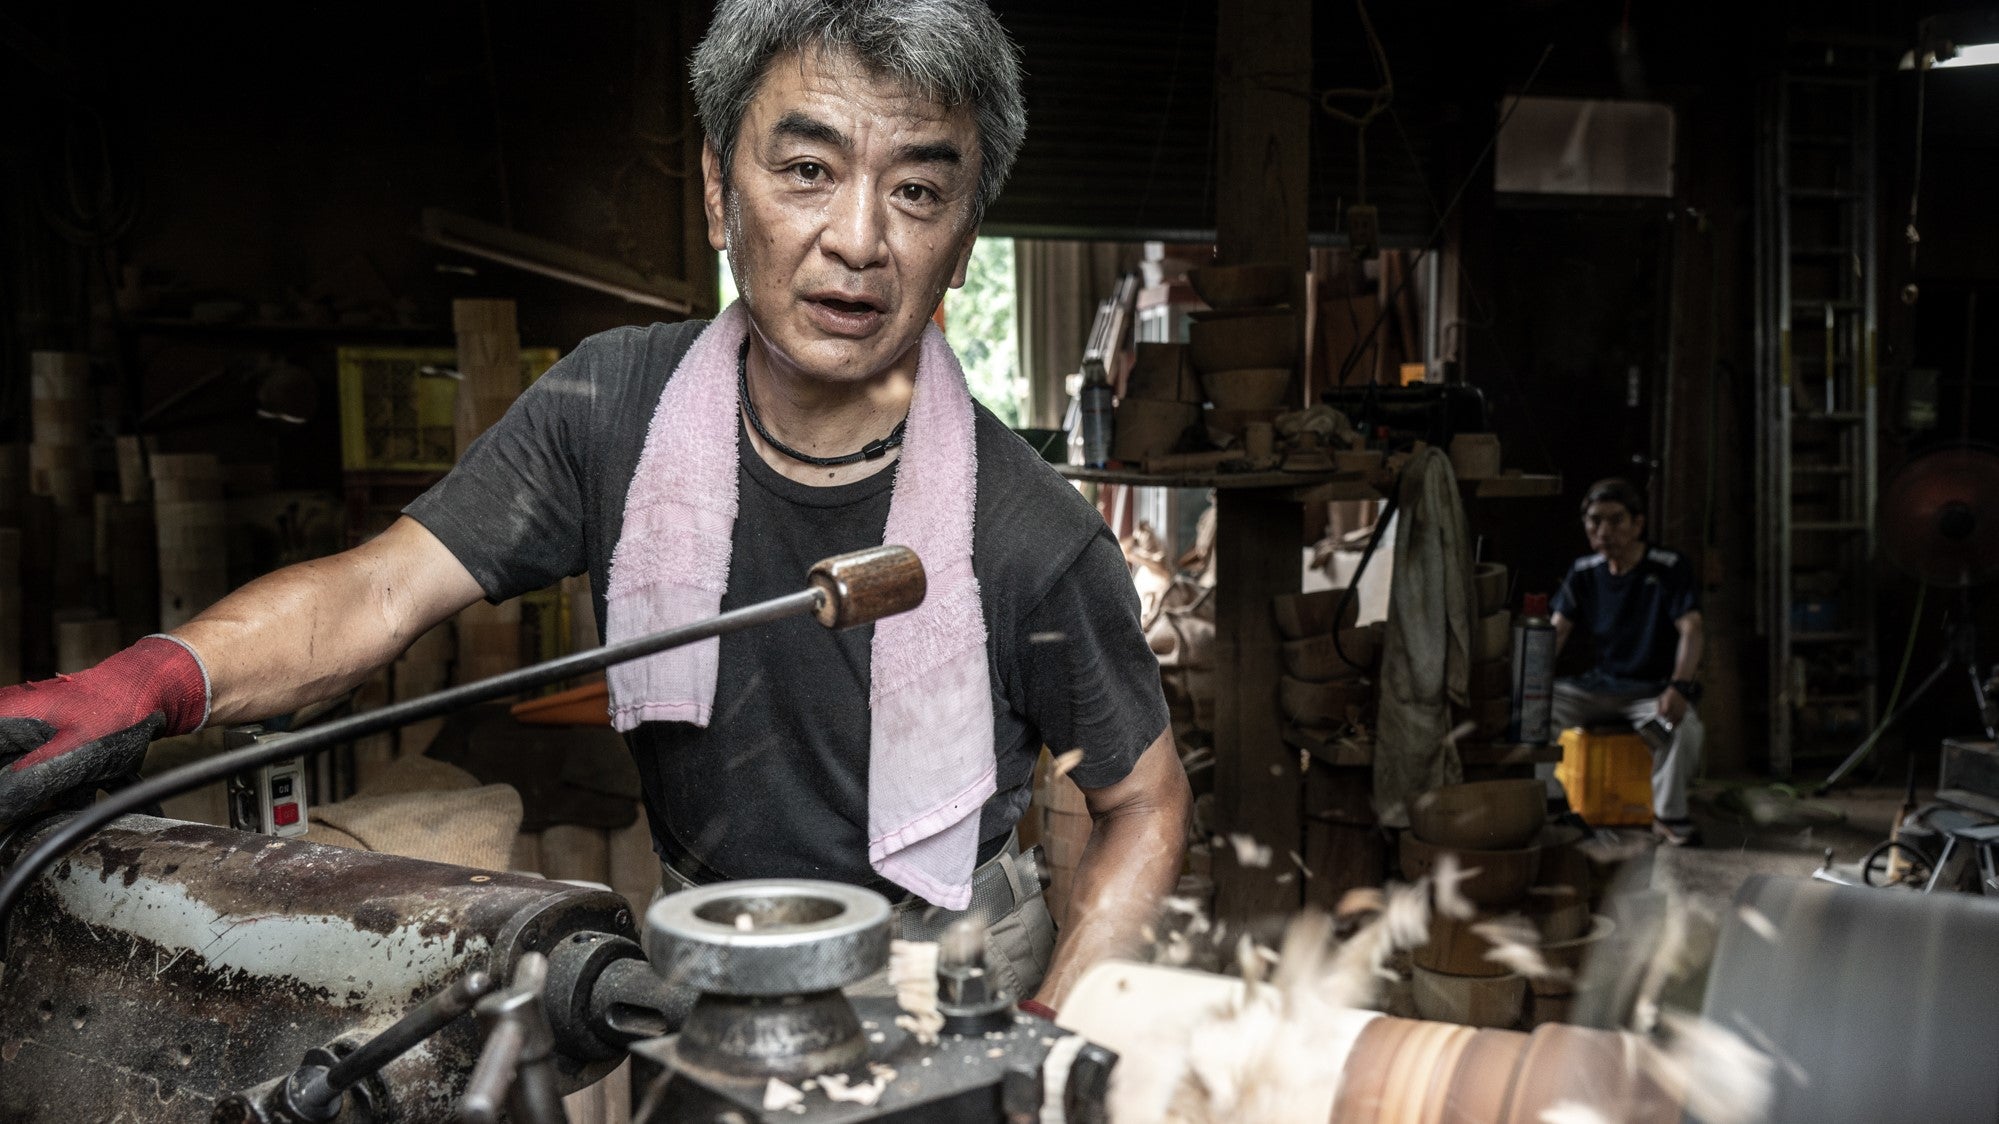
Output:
x,y
1304,615
1502,879
1324,704
1492,679
1455,950
1492,637
1235,422
1316,659
1243,286
1364,1079
1500,815
1488,1001
1269,340
1475,456
1557,918
1488,581
1563,862
1568,955
1356,460
1145,428
1164,373
1492,717
1251,388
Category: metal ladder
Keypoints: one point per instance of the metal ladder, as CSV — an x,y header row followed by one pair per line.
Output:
x,y
1816,410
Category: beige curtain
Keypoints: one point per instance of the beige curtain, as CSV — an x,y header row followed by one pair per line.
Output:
x,y
1057,286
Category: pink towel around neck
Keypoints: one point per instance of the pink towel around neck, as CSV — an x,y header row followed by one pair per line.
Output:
x,y
930,760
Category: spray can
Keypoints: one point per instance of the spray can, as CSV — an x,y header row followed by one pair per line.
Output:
x,y
1097,419
1533,672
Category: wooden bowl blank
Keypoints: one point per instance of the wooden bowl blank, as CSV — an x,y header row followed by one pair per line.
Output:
x,y
1245,341
1502,879
1492,679
1316,659
1234,422
1557,918
1488,1001
1475,456
1488,581
1164,373
1356,460
1492,715
1482,815
1455,950
1146,428
1301,616
1563,862
1324,704
1483,1079
1243,286
1364,1079
1251,388
1493,637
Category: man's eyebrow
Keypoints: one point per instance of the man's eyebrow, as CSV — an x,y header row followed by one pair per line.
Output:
x,y
931,152
797,125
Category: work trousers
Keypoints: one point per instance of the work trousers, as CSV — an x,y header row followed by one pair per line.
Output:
x,y
1673,769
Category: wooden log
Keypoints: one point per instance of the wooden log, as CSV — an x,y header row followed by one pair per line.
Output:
x,y
526,855
128,561
1065,834
134,485
191,528
577,854
1343,843
83,640
59,408
634,866
489,364
489,640
61,472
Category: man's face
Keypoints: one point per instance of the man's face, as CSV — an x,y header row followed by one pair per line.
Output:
x,y
1611,528
848,214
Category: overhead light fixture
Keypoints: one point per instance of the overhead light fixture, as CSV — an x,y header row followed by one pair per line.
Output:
x,y
1954,39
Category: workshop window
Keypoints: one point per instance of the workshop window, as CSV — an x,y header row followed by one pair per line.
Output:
x,y
1585,146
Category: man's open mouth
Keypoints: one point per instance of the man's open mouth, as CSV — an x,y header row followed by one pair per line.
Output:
x,y
852,307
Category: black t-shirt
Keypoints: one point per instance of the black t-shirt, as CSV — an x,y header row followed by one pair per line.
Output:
x,y
776,785
1631,615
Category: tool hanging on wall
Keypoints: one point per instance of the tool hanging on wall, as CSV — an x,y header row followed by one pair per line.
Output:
x,y
1363,218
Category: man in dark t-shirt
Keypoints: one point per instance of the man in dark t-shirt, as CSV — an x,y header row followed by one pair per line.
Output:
x,y
851,151
1641,605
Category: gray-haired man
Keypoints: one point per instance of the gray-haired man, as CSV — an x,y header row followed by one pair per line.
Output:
x,y
852,149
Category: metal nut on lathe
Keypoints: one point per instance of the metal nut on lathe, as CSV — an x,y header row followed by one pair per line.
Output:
x,y
769,937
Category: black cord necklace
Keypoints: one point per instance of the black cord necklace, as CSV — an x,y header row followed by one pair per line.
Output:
x,y
873,450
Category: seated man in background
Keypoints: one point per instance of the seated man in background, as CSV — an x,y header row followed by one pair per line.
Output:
x,y
1642,606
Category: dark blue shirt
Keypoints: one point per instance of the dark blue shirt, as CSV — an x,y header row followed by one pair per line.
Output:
x,y
1631,615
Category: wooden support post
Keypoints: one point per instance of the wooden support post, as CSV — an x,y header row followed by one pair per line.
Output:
x,y
1263,138
1263,61
1258,542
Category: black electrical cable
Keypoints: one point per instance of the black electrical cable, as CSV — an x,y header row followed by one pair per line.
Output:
x,y
194,774
1353,583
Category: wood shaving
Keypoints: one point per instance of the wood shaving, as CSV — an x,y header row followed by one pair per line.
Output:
x,y
1516,945
1759,924
912,972
745,923
778,1096
1065,762
1572,1112
1722,1078
1248,852
1450,900
838,1087
1298,861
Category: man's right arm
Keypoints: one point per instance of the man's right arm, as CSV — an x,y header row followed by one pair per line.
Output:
x,y
310,631
1563,626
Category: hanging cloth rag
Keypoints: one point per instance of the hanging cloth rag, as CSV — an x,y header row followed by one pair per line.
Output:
x,y
930,761
1426,658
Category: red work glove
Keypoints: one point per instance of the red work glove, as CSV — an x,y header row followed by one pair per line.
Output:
x,y
83,730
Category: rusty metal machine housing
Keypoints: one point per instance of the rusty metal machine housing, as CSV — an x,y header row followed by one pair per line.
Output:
x,y
164,965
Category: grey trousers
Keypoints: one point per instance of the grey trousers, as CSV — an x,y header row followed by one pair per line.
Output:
x,y
1673,770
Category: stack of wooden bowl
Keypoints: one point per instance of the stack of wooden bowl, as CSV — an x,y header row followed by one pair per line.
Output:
x,y
1162,398
1493,827
1246,345
1329,662
1492,654
1560,906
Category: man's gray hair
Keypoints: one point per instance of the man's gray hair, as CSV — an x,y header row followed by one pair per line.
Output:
x,y
952,51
